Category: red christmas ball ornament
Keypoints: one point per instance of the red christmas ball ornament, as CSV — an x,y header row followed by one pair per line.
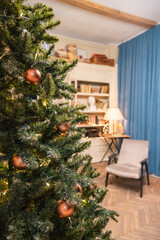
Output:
x,y
63,127
18,163
64,209
32,75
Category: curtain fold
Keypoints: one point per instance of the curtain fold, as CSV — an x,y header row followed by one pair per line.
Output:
x,y
139,91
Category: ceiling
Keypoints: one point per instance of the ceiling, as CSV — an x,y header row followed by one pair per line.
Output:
x,y
86,25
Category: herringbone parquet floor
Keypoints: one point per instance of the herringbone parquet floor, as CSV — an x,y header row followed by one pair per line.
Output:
x,y
139,218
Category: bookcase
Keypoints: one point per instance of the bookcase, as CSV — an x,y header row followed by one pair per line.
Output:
x,y
100,92
96,81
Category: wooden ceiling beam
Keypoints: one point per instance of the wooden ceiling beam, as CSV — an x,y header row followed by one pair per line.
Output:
x,y
110,12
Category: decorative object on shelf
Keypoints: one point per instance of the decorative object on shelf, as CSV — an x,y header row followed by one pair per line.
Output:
x,y
106,128
81,54
32,75
99,59
113,114
91,101
18,163
120,128
72,51
102,59
61,53
78,189
106,105
64,209
63,127
72,48
101,104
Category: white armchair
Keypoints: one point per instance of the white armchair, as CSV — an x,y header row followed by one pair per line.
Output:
x,y
132,158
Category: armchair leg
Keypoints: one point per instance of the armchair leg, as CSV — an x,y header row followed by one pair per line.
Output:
x,y
146,165
107,176
141,191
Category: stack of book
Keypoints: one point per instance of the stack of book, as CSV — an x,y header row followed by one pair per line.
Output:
x,y
72,51
99,59
61,53
86,88
102,59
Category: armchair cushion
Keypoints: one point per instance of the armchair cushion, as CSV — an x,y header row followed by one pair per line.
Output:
x,y
126,171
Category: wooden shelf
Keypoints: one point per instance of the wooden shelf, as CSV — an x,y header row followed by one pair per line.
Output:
x,y
90,125
85,62
94,112
83,94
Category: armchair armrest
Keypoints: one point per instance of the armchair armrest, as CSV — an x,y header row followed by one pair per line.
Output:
x,y
112,157
144,161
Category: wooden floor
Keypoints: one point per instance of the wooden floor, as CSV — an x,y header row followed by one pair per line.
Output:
x,y
139,218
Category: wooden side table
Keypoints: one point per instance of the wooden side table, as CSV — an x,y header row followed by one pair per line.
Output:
x,y
113,140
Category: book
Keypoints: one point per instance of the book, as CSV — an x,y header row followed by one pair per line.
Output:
x,y
82,88
94,90
88,88
104,89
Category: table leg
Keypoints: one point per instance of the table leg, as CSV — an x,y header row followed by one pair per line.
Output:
x,y
109,147
116,144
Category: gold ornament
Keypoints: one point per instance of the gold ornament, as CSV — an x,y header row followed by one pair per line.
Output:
x,y
63,128
64,209
84,202
18,163
32,75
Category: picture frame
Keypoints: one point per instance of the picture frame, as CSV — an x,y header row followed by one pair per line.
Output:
x,y
82,54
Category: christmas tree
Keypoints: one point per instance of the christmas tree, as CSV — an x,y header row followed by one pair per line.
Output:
x,y
48,188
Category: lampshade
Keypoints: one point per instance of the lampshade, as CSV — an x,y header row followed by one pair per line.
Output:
x,y
113,114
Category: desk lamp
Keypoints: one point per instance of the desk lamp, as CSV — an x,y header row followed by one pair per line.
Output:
x,y
113,114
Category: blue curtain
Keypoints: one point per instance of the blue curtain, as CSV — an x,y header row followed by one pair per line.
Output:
x,y
139,91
